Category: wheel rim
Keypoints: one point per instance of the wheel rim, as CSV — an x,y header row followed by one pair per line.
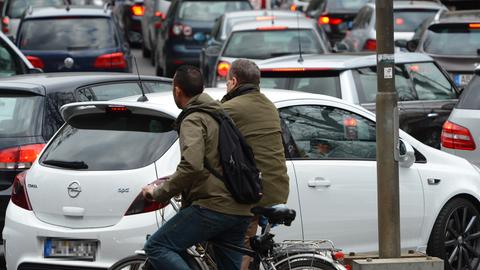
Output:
x,y
462,239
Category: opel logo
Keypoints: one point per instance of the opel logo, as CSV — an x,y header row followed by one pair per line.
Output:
x,y
74,189
68,62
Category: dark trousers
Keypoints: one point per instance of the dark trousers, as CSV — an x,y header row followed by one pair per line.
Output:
x,y
194,225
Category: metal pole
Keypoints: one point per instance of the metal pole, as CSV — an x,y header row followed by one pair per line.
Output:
x,y
387,135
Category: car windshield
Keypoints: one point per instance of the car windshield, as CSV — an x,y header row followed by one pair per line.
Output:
x,y
67,34
268,44
16,8
440,36
346,4
317,82
112,141
19,115
410,20
209,10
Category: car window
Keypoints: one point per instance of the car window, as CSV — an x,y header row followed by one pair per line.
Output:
x,y
363,18
470,98
268,44
407,20
429,82
117,90
439,39
323,132
346,4
9,61
209,10
366,81
112,141
67,34
16,8
20,115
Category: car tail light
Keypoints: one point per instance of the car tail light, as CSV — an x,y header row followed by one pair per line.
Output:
x,y
329,20
457,137
187,30
293,7
272,28
36,61
160,15
138,10
222,69
141,205
5,25
265,18
19,192
370,45
19,157
474,25
112,60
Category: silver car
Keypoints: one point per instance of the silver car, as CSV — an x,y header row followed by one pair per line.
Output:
x,y
408,16
461,133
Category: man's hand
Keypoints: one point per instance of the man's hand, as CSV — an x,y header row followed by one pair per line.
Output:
x,y
147,192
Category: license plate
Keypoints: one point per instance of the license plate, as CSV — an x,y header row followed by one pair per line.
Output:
x,y
70,249
462,79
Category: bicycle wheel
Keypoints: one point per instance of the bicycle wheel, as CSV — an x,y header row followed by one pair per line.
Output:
x,y
304,263
134,262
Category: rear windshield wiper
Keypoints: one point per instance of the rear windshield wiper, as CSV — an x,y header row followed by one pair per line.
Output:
x,y
66,164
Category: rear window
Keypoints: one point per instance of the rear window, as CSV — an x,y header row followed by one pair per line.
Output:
x,y
440,39
324,83
470,98
20,116
67,34
209,10
268,44
16,8
112,142
410,20
111,91
346,4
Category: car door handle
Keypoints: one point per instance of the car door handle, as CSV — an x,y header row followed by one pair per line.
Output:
x,y
431,115
319,182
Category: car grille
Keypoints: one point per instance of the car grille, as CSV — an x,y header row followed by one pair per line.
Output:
x,y
39,266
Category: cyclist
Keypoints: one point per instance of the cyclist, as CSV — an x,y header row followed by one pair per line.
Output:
x,y
209,212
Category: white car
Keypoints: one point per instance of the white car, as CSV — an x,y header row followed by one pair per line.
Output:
x,y
83,193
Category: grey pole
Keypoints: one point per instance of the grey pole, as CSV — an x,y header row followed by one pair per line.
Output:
x,y
387,135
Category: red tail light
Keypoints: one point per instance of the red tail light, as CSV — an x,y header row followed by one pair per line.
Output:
x,y
138,10
160,15
474,25
370,45
19,192
179,29
36,61
5,25
457,137
19,157
141,205
293,7
112,60
329,20
272,28
223,68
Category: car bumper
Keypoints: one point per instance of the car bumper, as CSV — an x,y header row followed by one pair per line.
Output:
x,y
24,237
181,54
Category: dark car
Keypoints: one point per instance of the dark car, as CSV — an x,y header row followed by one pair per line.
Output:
x,y
426,94
185,30
335,16
30,112
73,38
453,40
155,13
129,14
12,60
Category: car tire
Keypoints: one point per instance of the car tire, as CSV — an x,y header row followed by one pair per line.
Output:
x,y
145,51
455,237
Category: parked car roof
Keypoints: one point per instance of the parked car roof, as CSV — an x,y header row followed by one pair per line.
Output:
x,y
415,4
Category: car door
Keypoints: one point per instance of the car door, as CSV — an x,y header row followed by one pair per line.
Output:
x,y
333,154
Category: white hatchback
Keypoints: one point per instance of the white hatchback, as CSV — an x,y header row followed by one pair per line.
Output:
x,y
80,205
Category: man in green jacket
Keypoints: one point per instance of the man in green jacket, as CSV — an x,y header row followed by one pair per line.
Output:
x,y
209,212
257,119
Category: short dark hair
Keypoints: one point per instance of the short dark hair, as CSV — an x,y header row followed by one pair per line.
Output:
x,y
189,79
245,71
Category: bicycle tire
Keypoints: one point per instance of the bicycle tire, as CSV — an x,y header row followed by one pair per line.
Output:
x,y
305,263
134,262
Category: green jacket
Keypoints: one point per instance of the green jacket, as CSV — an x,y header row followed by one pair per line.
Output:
x,y
257,119
198,141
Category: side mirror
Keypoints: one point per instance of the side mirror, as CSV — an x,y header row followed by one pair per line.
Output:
x,y
34,70
401,43
341,47
212,51
406,154
412,45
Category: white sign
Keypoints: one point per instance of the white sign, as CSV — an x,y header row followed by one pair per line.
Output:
x,y
388,73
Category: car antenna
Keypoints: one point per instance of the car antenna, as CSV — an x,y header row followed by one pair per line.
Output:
x,y
300,58
142,98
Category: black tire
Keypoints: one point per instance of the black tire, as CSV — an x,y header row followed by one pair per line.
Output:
x,y
134,262
455,237
304,263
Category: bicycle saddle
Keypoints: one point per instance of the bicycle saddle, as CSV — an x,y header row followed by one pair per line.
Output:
x,y
276,215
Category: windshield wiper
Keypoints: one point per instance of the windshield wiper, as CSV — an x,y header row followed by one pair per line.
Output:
x,y
66,164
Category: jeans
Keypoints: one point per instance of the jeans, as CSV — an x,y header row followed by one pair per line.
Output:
x,y
194,225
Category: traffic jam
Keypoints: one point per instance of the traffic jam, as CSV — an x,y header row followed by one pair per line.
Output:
x,y
87,119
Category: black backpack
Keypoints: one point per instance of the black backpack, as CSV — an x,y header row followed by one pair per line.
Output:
x,y
240,174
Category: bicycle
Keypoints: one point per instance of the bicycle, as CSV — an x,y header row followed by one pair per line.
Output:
x,y
268,255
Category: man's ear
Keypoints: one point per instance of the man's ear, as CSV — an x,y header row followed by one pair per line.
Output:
x,y
177,90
